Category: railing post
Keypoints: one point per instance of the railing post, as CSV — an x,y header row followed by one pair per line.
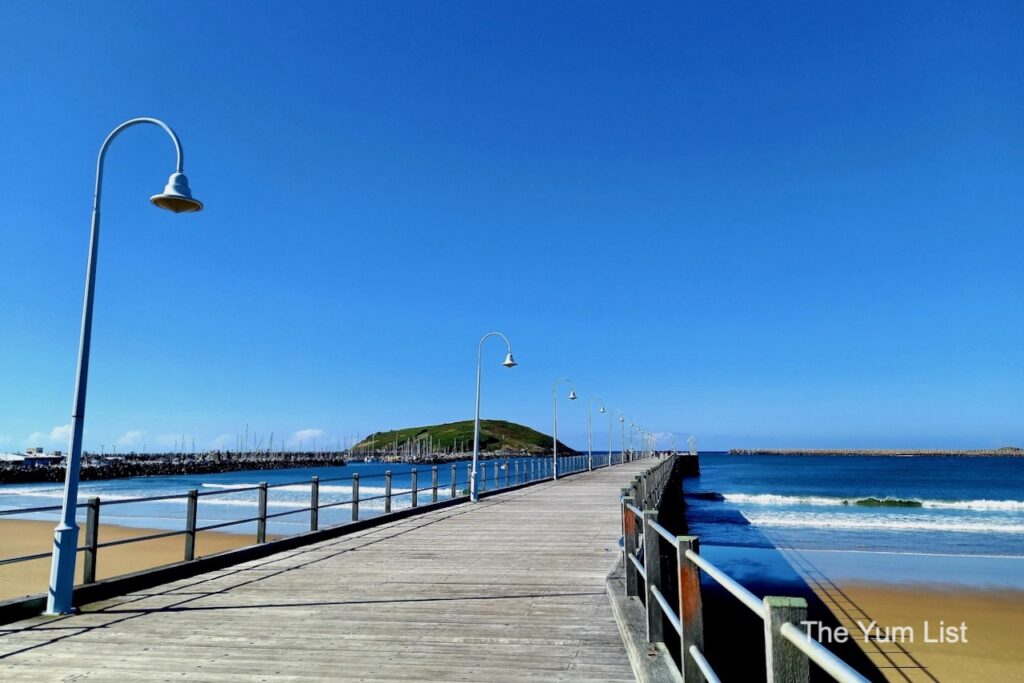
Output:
x,y
515,466
784,662
652,567
508,473
191,510
314,503
455,480
497,473
533,470
433,484
415,485
355,496
387,491
691,612
629,542
261,522
92,529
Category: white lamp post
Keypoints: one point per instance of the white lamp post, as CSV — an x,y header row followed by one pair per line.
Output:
x,y
554,412
590,430
509,362
178,198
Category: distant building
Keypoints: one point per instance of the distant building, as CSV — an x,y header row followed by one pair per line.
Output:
x,y
33,457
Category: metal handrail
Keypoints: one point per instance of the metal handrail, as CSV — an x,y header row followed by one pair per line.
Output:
x,y
540,474
649,487
820,655
705,668
726,582
669,612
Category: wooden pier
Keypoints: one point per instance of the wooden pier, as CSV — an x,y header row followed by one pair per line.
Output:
x,y
510,588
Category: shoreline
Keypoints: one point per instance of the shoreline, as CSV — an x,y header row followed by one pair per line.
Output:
x,y
29,537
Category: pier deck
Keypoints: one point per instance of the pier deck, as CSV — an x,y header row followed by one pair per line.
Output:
x,y
511,588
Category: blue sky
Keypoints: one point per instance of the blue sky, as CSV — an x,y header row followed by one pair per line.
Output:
x,y
792,226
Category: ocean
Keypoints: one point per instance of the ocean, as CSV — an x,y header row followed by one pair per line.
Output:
x,y
872,518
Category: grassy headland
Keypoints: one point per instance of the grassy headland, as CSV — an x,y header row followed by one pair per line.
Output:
x,y
495,435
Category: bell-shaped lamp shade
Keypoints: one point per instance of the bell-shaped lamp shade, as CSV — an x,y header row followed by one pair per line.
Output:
x,y
176,196
509,361
621,419
603,411
572,394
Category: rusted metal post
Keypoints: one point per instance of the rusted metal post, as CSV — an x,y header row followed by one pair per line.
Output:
x,y
314,503
92,530
261,522
355,496
691,612
433,484
629,543
191,511
783,661
387,491
652,567
415,486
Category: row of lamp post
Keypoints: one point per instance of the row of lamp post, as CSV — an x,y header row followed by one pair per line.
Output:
x,y
177,197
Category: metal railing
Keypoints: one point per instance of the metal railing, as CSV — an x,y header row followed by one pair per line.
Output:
x,y
787,648
494,475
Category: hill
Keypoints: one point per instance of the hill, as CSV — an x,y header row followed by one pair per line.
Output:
x,y
495,435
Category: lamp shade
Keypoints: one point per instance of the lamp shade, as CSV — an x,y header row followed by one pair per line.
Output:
x,y
509,361
572,394
177,196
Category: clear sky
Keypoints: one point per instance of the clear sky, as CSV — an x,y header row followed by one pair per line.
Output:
x,y
766,225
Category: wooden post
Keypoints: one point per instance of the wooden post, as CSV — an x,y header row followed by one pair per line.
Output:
x,y
314,503
261,522
652,566
629,543
691,612
355,496
415,485
433,484
387,491
455,483
784,662
92,529
190,524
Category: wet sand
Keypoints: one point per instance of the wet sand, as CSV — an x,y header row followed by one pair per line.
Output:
x,y
18,537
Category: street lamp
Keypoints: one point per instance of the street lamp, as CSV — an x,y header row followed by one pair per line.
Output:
x,y
622,423
554,412
590,430
509,362
176,197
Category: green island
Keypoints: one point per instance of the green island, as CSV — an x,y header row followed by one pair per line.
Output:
x,y
496,436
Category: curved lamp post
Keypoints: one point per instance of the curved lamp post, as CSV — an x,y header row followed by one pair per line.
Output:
x,y
554,413
509,362
622,422
590,429
178,198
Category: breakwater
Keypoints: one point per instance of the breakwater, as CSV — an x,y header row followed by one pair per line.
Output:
x,y
883,452
135,465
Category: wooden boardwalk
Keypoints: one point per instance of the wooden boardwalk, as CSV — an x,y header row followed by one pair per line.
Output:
x,y
512,588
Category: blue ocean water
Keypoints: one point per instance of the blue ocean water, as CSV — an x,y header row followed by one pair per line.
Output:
x,y
222,498
927,505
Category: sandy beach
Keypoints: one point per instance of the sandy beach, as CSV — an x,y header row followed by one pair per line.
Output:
x,y
18,537
992,623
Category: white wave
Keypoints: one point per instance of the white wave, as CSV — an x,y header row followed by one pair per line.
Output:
x,y
886,522
773,499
